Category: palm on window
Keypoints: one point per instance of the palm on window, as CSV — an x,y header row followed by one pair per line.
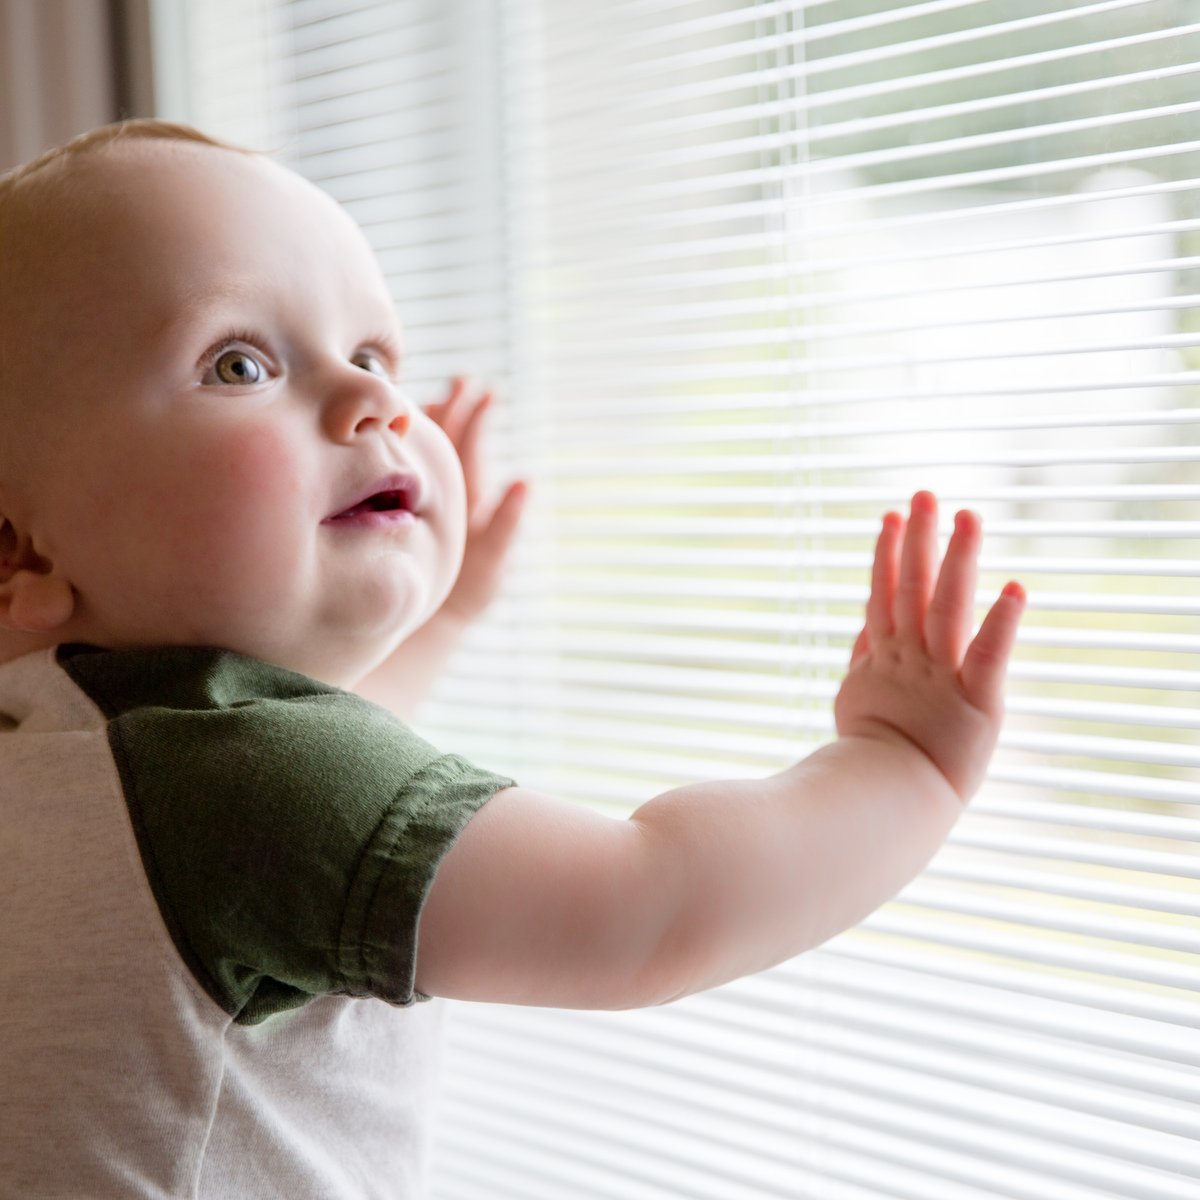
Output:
x,y
490,526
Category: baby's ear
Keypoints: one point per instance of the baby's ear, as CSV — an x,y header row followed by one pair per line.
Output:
x,y
33,597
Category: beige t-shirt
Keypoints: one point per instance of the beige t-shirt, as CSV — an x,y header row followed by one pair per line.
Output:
x,y
213,871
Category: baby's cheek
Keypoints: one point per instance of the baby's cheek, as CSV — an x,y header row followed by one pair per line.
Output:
x,y
260,492
237,520
442,461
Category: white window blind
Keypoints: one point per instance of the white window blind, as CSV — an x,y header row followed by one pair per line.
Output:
x,y
748,275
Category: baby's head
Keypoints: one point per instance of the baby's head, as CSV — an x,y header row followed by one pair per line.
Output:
x,y
201,436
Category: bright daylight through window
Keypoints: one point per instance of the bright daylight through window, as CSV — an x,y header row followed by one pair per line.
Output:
x,y
747,275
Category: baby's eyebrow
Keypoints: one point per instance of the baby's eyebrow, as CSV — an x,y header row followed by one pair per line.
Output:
x,y
184,309
245,294
240,288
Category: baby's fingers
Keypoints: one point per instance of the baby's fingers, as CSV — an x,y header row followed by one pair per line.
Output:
x,y
467,445
918,562
862,646
456,413
987,656
483,560
952,609
503,525
436,411
884,572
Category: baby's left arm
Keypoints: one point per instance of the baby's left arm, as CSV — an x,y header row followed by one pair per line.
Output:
x,y
403,680
540,901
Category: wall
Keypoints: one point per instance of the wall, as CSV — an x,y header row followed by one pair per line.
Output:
x,y
67,66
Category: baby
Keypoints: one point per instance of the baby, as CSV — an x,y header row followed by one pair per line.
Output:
x,y
222,525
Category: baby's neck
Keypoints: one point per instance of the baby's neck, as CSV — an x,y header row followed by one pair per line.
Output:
x,y
14,643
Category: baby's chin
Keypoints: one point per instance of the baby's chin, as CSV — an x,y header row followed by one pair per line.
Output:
x,y
333,626
345,654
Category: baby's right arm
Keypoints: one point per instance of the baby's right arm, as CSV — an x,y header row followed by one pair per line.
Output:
x,y
544,902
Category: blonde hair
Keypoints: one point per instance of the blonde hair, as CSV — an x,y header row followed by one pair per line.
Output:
x,y
143,128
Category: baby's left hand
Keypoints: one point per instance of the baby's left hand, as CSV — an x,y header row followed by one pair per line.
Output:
x,y
490,527
916,670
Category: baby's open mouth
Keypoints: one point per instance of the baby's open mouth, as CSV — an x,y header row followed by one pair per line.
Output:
x,y
390,501
380,502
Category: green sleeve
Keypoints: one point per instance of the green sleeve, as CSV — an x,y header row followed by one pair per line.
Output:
x,y
290,832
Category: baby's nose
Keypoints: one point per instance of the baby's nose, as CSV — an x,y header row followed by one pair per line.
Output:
x,y
401,423
370,406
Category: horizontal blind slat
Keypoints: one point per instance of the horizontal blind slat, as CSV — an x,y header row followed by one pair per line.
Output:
x,y
774,76
837,62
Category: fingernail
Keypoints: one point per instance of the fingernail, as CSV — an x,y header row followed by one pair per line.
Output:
x,y
1013,589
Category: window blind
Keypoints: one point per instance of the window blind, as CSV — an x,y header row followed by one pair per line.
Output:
x,y
749,274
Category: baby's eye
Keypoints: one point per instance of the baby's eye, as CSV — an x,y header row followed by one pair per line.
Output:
x,y
367,361
237,367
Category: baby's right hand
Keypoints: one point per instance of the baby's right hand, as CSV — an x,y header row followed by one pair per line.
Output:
x,y
915,674
491,526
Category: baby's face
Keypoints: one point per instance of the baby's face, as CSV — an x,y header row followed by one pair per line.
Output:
x,y
225,457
